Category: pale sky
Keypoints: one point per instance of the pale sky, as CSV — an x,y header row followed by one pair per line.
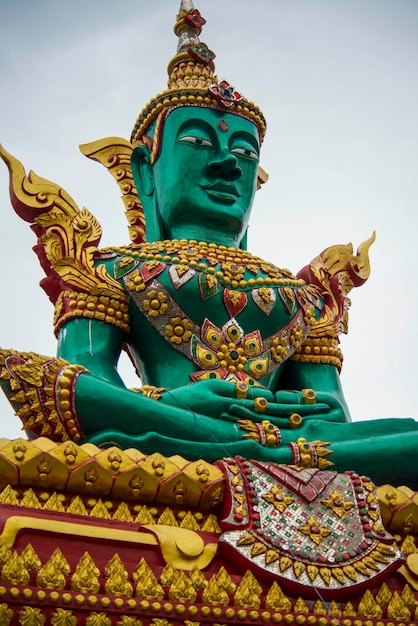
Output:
x,y
337,82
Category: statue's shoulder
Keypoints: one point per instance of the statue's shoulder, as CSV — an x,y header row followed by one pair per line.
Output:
x,y
333,274
67,248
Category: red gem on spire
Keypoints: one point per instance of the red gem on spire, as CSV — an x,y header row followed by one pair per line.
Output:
x,y
194,19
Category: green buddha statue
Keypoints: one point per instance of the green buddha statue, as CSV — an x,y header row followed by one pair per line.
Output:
x,y
236,356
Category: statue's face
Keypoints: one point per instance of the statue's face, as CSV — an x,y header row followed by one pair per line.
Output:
x,y
205,176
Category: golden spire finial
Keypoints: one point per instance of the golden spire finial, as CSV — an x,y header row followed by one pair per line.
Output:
x,y
192,80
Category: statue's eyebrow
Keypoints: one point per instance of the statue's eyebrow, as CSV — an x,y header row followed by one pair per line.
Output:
x,y
245,136
195,124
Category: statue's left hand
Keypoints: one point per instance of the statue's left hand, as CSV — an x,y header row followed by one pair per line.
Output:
x,y
208,397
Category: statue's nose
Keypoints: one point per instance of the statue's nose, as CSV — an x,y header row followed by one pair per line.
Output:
x,y
225,166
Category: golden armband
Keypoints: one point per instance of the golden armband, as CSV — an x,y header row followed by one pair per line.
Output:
x,y
150,391
265,433
73,304
310,453
320,350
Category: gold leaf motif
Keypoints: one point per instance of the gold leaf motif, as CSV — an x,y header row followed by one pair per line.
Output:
x,y
31,373
197,578
240,510
189,521
313,572
5,554
6,614
144,516
147,584
225,581
368,607
167,518
334,609
408,545
338,573
9,496
320,608
380,558
397,609
350,572
14,571
314,531
63,617
276,599
284,563
122,513
258,548
298,568
100,510
69,237
117,582
384,549
325,574
248,594
149,589
349,610
54,503
52,573
98,619
234,296
408,597
77,507
211,524
31,617
30,558
337,504
86,576
129,621
383,595
369,561
271,556
215,594
30,501
300,606
362,568
168,574
240,498
181,589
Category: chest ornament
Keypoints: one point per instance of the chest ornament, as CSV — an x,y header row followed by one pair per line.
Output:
x,y
226,352
230,266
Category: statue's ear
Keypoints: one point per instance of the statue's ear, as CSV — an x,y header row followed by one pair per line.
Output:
x,y
243,244
142,172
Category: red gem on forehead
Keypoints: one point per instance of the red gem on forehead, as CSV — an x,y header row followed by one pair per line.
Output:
x,y
223,126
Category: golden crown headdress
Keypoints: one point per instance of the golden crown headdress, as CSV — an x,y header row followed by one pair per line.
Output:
x,y
192,80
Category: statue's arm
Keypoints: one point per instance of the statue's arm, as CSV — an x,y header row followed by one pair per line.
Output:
x,y
103,403
324,380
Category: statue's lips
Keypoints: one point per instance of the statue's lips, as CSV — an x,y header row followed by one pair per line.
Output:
x,y
223,192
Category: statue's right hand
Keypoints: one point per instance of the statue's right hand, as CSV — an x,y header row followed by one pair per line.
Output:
x,y
209,397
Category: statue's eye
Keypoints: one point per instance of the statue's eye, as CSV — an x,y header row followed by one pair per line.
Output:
x,y
245,152
197,141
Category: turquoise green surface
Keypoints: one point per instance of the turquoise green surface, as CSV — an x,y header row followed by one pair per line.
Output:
x,y
201,187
